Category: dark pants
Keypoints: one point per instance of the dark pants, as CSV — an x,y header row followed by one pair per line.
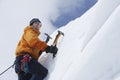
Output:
x,y
36,70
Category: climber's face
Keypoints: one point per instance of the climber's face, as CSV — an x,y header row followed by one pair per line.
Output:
x,y
37,25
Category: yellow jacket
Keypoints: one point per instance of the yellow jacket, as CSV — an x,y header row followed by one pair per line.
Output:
x,y
30,43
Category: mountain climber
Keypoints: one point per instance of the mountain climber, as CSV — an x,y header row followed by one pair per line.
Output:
x,y
27,53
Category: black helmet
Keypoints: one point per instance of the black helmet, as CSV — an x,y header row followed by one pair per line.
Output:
x,y
34,20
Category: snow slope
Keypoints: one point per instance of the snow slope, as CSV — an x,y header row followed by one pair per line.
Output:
x,y
100,59
90,48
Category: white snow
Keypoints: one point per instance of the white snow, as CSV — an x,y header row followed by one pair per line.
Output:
x,y
90,49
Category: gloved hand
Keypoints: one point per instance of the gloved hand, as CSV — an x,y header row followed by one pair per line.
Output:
x,y
51,49
54,51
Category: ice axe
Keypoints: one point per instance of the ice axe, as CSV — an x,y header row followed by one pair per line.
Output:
x,y
48,37
56,40
47,40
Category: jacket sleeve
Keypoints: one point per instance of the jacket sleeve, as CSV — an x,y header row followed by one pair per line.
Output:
x,y
33,41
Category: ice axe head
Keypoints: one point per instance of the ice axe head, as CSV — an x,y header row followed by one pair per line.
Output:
x,y
48,38
60,33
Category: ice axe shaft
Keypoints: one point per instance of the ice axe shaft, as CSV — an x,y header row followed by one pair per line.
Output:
x,y
56,41
47,40
57,38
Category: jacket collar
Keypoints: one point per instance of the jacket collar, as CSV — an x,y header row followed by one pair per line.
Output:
x,y
35,30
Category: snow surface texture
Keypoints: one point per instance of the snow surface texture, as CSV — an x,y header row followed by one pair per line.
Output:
x,y
90,48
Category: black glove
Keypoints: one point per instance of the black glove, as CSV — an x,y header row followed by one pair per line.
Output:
x,y
54,50
48,49
51,49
